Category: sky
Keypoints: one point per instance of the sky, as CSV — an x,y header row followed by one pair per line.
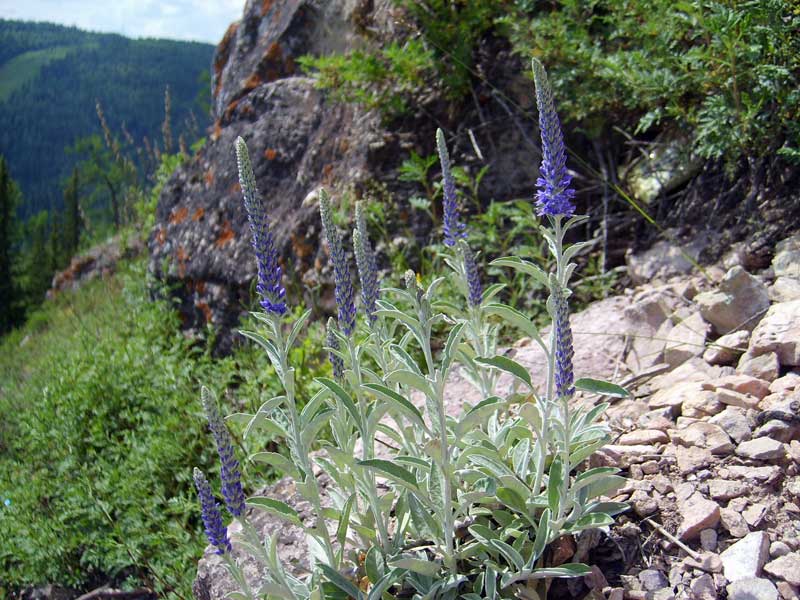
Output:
x,y
199,20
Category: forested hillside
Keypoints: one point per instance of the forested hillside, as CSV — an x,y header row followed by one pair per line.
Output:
x,y
52,78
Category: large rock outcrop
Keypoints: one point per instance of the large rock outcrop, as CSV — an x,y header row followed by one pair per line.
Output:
x,y
299,140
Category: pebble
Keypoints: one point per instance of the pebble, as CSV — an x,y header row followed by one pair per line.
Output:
x,y
643,436
745,558
697,513
734,522
761,449
722,489
779,548
764,367
734,398
652,580
703,435
735,424
745,384
754,514
692,459
756,474
787,383
752,588
708,539
703,588
786,567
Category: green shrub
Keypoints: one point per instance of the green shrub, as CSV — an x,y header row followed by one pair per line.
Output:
x,y
99,428
726,71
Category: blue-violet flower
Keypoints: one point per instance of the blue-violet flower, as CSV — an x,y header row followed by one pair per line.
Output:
x,y
555,193
564,377
366,263
269,272
453,228
474,286
333,343
341,270
216,532
230,474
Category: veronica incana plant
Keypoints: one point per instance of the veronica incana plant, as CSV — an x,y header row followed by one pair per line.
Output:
x,y
420,502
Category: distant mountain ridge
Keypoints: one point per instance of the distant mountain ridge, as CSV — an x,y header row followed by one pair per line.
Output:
x,y
51,77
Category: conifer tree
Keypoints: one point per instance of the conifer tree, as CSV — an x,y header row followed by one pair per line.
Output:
x,y
72,217
8,299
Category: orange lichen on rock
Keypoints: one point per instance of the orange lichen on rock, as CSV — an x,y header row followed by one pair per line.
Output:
x,y
265,6
270,153
198,214
208,177
327,174
205,309
182,258
226,235
161,235
301,246
222,55
229,111
236,188
217,130
200,286
178,216
252,82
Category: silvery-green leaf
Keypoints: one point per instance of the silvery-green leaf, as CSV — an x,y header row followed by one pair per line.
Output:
x,y
578,456
604,486
593,475
515,484
508,365
610,508
373,565
431,291
520,457
450,346
591,521
272,351
405,358
344,522
411,379
277,461
384,583
512,499
398,401
391,470
312,406
423,567
341,582
319,421
239,418
273,590
343,397
523,266
568,570
275,507
513,317
573,249
597,386
542,538
422,518
479,412
490,583
414,461
491,291
512,556
296,328
236,596
554,482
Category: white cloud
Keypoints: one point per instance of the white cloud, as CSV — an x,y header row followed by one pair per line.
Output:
x,y
201,20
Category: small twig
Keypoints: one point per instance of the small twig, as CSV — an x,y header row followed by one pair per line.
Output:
x,y
672,538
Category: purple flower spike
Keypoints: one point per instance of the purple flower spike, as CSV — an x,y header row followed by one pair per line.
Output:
x,y
216,532
229,467
333,342
564,350
473,277
453,228
269,272
554,195
367,265
341,270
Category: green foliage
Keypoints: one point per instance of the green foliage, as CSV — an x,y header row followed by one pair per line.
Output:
x,y
9,293
728,72
385,80
54,79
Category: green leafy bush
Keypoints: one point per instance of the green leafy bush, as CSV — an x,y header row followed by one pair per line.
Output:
x,y
99,425
729,73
